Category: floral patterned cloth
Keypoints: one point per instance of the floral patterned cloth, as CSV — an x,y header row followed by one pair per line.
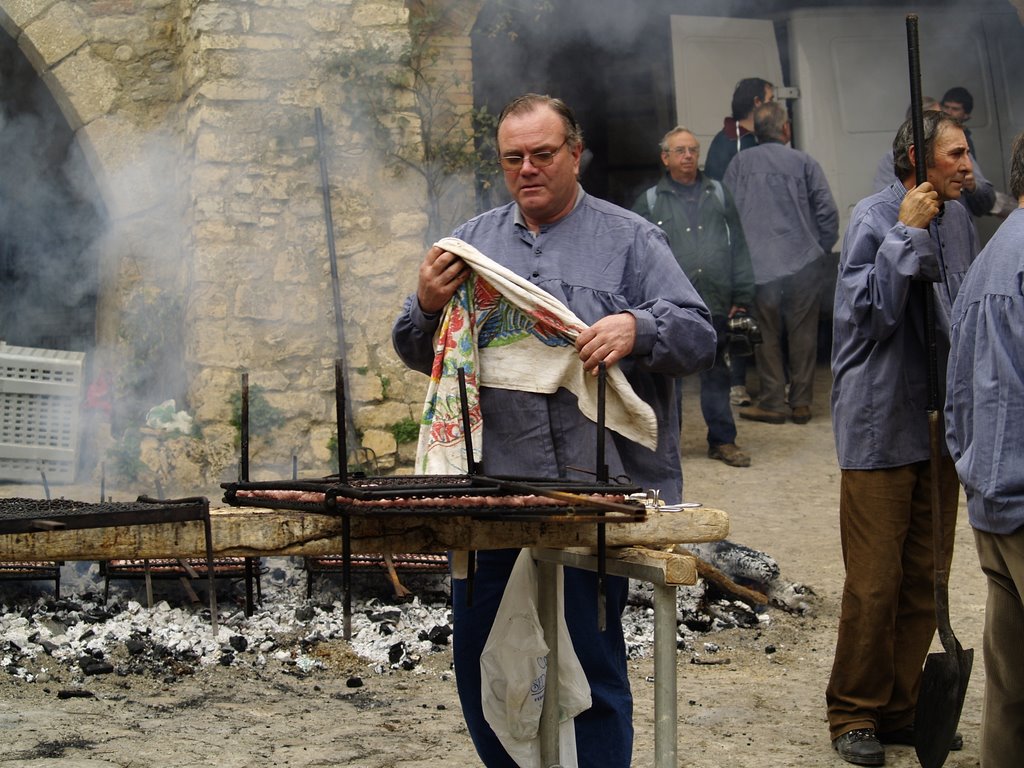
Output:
x,y
505,332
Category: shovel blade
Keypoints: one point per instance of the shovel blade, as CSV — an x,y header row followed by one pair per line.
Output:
x,y
943,688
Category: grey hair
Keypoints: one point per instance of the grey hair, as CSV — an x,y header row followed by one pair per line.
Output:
x,y
663,144
934,122
529,102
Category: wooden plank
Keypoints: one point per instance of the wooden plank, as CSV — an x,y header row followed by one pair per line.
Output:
x,y
251,532
653,565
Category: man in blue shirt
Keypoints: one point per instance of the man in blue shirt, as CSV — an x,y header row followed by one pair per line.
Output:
x,y
615,271
900,242
791,223
985,421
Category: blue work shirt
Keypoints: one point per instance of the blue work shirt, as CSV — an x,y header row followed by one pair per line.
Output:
x,y
598,260
879,353
789,216
985,395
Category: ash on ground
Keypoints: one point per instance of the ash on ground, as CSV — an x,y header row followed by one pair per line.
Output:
x,y
70,639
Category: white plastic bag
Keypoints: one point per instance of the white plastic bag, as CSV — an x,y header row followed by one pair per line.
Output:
x,y
513,669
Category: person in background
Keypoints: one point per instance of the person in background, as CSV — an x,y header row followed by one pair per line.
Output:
x,y
984,422
703,227
958,103
900,243
737,131
791,222
738,134
616,272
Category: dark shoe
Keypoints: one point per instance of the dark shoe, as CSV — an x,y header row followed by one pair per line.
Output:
x,y
801,414
760,414
906,736
860,747
730,453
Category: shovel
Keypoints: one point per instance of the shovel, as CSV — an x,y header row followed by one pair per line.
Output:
x,y
946,674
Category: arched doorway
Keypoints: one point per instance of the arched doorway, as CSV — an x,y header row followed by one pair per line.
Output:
x,y
50,217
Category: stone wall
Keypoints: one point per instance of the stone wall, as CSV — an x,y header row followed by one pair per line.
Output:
x,y
198,121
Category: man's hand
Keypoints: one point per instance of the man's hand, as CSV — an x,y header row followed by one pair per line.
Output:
x,y
441,273
920,206
607,341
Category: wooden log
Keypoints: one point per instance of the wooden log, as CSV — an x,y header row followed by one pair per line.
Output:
x,y
252,532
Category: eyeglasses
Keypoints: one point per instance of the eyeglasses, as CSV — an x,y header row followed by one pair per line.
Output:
x,y
684,150
537,159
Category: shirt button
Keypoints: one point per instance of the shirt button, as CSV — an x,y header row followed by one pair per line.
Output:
x,y
536,274
537,251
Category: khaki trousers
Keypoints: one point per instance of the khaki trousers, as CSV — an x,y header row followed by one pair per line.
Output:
x,y
1002,716
887,619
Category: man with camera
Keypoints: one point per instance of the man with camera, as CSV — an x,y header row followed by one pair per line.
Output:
x,y
703,227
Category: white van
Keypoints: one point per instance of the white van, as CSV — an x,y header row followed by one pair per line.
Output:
x,y
849,81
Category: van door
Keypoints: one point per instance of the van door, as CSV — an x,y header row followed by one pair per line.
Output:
x,y
709,56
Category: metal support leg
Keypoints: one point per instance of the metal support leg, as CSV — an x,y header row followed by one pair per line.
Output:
x,y
547,608
665,701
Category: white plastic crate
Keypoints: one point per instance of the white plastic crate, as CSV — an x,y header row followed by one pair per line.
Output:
x,y
40,398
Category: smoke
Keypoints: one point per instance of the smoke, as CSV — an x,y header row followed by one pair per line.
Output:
x,y
48,218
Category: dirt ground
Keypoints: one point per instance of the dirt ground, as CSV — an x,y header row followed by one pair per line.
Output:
x,y
762,707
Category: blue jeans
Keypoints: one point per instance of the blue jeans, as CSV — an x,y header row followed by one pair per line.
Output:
x,y
714,393
604,733
714,398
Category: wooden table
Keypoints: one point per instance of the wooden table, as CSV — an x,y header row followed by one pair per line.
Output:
x,y
256,532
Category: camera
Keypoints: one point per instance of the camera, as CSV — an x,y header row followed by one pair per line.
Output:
x,y
743,334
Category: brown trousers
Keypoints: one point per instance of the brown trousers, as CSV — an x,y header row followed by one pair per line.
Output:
x,y
888,613
1002,716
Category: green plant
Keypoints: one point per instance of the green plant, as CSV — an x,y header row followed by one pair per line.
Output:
x,y
150,340
405,431
264,418
123,457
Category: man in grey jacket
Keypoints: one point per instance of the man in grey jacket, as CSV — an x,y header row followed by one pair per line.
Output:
x,y
901,243
703,227
791,223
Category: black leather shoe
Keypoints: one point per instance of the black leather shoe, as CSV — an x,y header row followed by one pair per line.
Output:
x,y
860,747
906,736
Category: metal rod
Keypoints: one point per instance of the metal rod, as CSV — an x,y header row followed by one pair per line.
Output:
x,y
467,429
665,671
547,610
602,477
295,467
46,485
346,574
339,408
103,480
243,471
332,253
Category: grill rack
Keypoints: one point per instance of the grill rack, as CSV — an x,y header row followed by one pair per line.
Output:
x,y
23,515
556,500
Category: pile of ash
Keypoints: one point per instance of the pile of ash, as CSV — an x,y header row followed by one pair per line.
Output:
x,y
43,638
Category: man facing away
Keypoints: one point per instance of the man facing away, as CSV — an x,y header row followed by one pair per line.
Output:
x,y
703,227
738,134
616,272
791,223
738,130
984,422
901,243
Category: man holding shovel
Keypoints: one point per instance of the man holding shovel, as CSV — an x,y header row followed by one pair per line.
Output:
x,y
900,243
985,410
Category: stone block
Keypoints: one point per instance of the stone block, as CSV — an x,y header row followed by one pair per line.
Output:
x,y
89,85
56,34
